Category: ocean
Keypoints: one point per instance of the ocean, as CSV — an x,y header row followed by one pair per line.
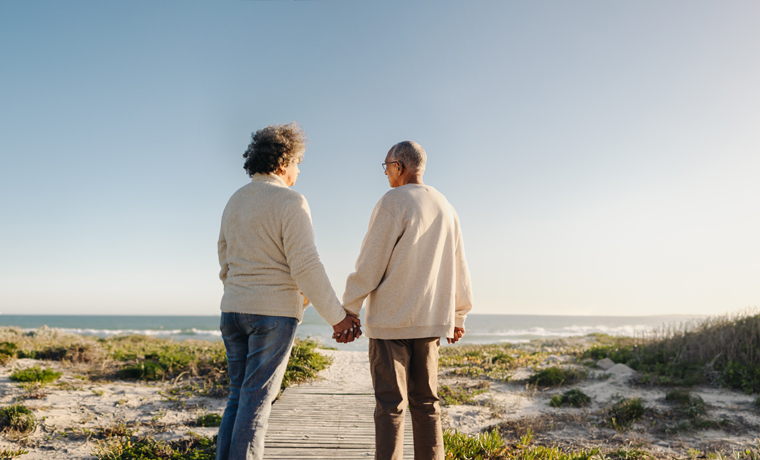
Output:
x,y
480,328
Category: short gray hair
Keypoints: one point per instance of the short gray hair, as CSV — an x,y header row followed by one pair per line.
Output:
x,y
411,154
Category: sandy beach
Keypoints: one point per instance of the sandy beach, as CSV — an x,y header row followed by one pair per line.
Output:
x,y
75,414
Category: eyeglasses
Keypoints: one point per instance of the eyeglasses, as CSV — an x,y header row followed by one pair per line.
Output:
x,y
391,162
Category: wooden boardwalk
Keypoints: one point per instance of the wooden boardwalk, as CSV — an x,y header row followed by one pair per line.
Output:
x,y
323,421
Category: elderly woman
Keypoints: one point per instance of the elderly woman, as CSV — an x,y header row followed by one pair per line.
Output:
x,y
268,259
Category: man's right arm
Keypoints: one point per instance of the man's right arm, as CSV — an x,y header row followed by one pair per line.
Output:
x,y
377,248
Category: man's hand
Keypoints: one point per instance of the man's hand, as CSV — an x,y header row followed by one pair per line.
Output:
x,y
458,334
347,330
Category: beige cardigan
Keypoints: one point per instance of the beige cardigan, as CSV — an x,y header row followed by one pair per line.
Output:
x,y
267,254
412,268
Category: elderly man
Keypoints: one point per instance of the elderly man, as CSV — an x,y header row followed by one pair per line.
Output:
x,y
413,271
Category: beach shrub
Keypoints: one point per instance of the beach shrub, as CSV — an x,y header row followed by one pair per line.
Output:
x,y
461,394
209,420
625,413
17,419
555,376
35,374
572,398
8,351
144,370
304,362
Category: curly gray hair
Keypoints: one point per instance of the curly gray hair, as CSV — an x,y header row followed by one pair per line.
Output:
x,y
411,154
274,146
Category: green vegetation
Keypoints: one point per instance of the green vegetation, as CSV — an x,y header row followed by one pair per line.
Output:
x,y
486,446
209,420
723,350
693,408
9,452
35,374
492,361
625,413
202,365
304,363
8,352
630,453
17,419
491,446
572,398
555,376
125,448
461,394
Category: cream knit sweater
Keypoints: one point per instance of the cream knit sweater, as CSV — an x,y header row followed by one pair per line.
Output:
x,y
412,267
267,254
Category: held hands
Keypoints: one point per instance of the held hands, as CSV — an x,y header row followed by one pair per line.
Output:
x,y
458,334
347,330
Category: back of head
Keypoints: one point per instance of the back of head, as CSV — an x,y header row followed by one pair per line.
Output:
x,y
411,154
274,146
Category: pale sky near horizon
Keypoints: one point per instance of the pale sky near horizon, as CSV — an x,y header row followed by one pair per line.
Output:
x,y
603,156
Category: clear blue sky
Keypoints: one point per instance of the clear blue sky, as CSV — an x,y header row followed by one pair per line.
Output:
x,y
603,156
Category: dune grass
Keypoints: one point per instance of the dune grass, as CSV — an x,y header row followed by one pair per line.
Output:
x,y
624,413
721,350
573,398
556,376
17,420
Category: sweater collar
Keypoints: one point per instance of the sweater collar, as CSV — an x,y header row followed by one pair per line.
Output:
x,y
273,179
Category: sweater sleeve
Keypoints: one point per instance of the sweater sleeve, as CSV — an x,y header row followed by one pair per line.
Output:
x,y
463,302
305,267
221,247
377,248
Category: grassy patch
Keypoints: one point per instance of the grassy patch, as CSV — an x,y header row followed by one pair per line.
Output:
x,y
484,446
492,361
572,398
195,367
124,448
17,419
720,350
491,446
630,453
8,352
624,413
555,376
10,452
461,394
304,363
35,374
213,420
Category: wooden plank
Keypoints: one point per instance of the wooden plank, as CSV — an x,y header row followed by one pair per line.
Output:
x,y
326,422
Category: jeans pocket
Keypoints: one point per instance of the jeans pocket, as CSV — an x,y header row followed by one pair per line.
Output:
x,y
227,324
262,325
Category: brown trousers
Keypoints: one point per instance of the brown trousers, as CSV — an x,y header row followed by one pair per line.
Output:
x,y
406,371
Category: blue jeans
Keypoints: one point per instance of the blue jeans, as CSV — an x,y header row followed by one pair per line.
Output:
x,y
258,348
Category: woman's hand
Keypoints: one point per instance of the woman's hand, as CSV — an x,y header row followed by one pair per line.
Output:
x,y
347,330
